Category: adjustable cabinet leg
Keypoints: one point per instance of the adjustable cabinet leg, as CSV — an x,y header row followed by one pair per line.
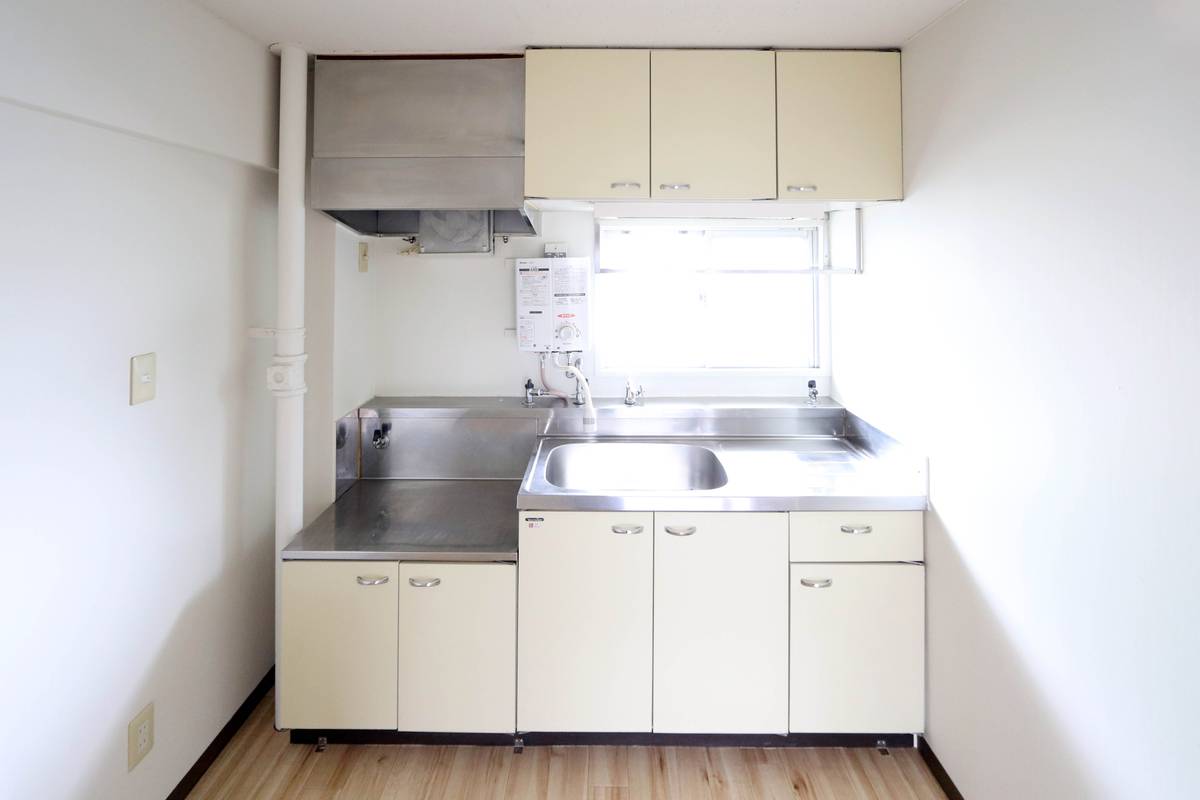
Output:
x,y
518,744
322,743
882,746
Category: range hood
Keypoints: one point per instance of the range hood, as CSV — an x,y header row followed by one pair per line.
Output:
x,y
427,147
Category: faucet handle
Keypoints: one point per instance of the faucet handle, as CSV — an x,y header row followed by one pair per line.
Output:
x,y
633,397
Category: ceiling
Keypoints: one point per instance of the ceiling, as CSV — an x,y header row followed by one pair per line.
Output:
x,y
486,26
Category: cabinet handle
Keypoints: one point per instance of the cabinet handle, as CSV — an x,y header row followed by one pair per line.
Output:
x,y
856,529
631,529
816,583
424,583
624,185
674,186
805,188
681,530
372,580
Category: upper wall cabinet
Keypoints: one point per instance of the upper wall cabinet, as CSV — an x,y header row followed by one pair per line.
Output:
x,y
712,118
587,123
839,125
704,124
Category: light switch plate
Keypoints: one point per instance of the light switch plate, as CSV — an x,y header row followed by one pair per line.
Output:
x,y
143,377
362,257
141,735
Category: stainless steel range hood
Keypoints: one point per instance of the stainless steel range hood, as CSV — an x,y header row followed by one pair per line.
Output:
x,y
394,139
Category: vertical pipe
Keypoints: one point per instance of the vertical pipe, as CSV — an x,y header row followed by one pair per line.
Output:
x,y
286,375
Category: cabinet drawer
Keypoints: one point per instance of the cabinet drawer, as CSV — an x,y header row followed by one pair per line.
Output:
x,y
857,536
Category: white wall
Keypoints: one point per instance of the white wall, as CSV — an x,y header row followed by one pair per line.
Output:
x,y
445,322
355,332
137,541
341,342
165,69
1033,327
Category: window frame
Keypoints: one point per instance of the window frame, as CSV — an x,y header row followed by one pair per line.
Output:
x,y
711,380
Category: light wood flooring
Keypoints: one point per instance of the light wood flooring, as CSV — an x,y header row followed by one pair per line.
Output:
x,y
260,763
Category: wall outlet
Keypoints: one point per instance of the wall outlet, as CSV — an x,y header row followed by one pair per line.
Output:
x,y
143,377
141,735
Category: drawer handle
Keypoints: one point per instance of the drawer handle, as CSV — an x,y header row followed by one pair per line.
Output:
x,y
630,529
681,530
680,186
805,188
372,580
624,185
856,529
817,583
424,583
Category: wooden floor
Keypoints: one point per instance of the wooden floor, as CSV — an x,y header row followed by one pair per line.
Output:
x,y
260,763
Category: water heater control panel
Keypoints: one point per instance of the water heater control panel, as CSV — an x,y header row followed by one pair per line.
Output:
x,y
552,304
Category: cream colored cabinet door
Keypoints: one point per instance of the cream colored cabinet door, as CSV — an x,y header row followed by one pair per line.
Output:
x,y
839,125
858,648
712,123
338,654
585,619
587,123
458,648
720,623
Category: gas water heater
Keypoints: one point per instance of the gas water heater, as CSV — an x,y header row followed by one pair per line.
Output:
x,y
552,304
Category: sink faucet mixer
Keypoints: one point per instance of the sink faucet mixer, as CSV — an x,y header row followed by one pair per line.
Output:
x,y
633,398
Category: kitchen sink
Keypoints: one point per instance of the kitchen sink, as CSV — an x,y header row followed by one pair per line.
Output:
x,y
634,467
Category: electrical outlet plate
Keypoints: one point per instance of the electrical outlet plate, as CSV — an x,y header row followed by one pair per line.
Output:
x,y
363,257
143,377
141,735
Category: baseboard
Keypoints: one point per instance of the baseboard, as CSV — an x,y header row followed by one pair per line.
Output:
x,y
894,741
939,772
226,733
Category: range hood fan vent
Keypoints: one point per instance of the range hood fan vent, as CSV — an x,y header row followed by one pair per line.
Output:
x,y
433,148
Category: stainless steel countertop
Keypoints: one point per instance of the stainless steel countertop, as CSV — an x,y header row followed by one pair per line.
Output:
x,y
414,520
817,473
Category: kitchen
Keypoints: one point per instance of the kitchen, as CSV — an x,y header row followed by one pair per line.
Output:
x,y
660,400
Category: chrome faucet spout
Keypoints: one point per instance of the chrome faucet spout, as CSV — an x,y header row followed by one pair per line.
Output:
x,y
633,397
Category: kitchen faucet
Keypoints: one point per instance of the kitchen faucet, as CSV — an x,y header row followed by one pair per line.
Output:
x,y
531,392
633,398
581,387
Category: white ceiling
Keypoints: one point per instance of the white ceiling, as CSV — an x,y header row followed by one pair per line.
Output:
x,y
486,26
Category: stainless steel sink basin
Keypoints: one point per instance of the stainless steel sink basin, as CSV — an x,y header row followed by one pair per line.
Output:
x,y
634,466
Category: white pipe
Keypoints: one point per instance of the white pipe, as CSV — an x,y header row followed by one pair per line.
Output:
x,y
286,375
589,409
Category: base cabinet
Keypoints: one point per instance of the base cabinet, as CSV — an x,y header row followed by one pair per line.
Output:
x,y
338,648
624,622
457,648
585,621
857,648
720,623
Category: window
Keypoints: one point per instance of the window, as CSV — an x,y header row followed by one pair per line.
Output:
x,y
672,296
